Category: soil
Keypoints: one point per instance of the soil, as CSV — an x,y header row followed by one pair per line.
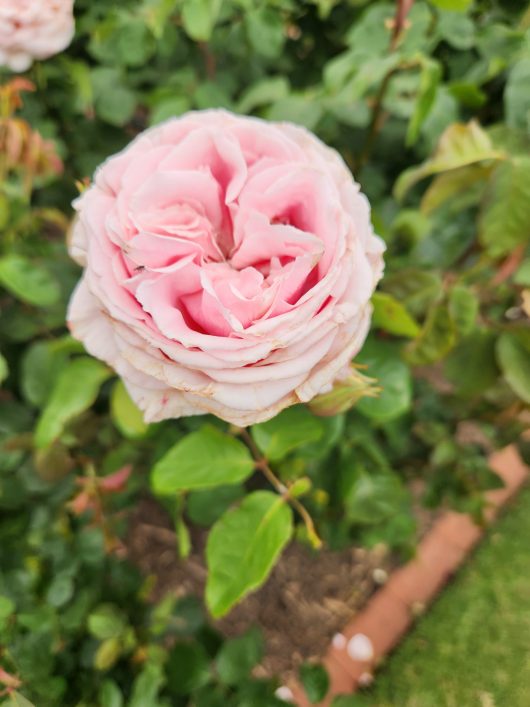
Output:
x,y
307,599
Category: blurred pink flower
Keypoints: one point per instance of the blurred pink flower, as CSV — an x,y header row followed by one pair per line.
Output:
x,y
33,29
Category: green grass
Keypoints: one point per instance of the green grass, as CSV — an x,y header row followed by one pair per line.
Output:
x,y
473,647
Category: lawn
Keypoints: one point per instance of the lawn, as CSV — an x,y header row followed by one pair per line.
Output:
x,y
473,648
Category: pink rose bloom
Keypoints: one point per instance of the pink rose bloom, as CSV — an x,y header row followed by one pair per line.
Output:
x,y
33,29
229,263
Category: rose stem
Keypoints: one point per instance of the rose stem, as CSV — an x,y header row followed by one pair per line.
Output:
x,y
402,10
263,465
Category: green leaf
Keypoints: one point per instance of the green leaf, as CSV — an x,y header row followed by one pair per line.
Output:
x,y
133,42
107,621
265,31
18,700
517,96
463,308
206,506
238,656
514,360
202,459
157,13
436,339
315,681
4,370
384,363
505,217
460,145
417,290
199,18
450,184
169,108
115,102
146,686
28,281
60,590
291,429
187,668
431,73
41,366
522,276
110,694
125,414
471,367
243,547
374,498
457,30
454,5
75,390
391,316
304,110
7,607
108,654
263,92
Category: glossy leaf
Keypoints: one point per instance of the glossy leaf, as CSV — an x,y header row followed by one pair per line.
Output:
x,y
238,656
243,547
199,18
125,414
505,217
384,363
187,668
202,459
445,186
28,281
391,316
4,369
288,431
75,390
471,367
463,309
430,76
514,361
460,145
437,338
315,681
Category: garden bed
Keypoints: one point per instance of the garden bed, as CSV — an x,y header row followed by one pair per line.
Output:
x,y
314,603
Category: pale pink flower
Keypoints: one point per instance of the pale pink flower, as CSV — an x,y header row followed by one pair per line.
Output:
x,y
33,29
229,263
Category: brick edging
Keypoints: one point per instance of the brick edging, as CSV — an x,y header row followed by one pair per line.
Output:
x,y
355,653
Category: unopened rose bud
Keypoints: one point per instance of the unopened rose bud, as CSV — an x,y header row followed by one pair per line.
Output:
x,y
344,394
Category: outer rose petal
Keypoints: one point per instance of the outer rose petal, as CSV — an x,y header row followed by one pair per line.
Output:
x,y
229,265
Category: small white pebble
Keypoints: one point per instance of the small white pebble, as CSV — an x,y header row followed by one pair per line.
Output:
x,y
379,575
366,679
360,647
284,693
339,641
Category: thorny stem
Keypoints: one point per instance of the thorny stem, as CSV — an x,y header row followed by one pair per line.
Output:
x,y
209,60
263,466
398,25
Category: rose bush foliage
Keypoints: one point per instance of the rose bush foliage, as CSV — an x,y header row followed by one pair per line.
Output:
x,y
433,123
229,265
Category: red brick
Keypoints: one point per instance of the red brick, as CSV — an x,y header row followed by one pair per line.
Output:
x,y
459,530
419,580
384,620
512,470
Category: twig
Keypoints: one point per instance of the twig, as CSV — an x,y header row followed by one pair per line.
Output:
x,y
263,466
209,60
398,25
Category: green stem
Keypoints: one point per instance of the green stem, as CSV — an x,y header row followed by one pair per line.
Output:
x,y
263,465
